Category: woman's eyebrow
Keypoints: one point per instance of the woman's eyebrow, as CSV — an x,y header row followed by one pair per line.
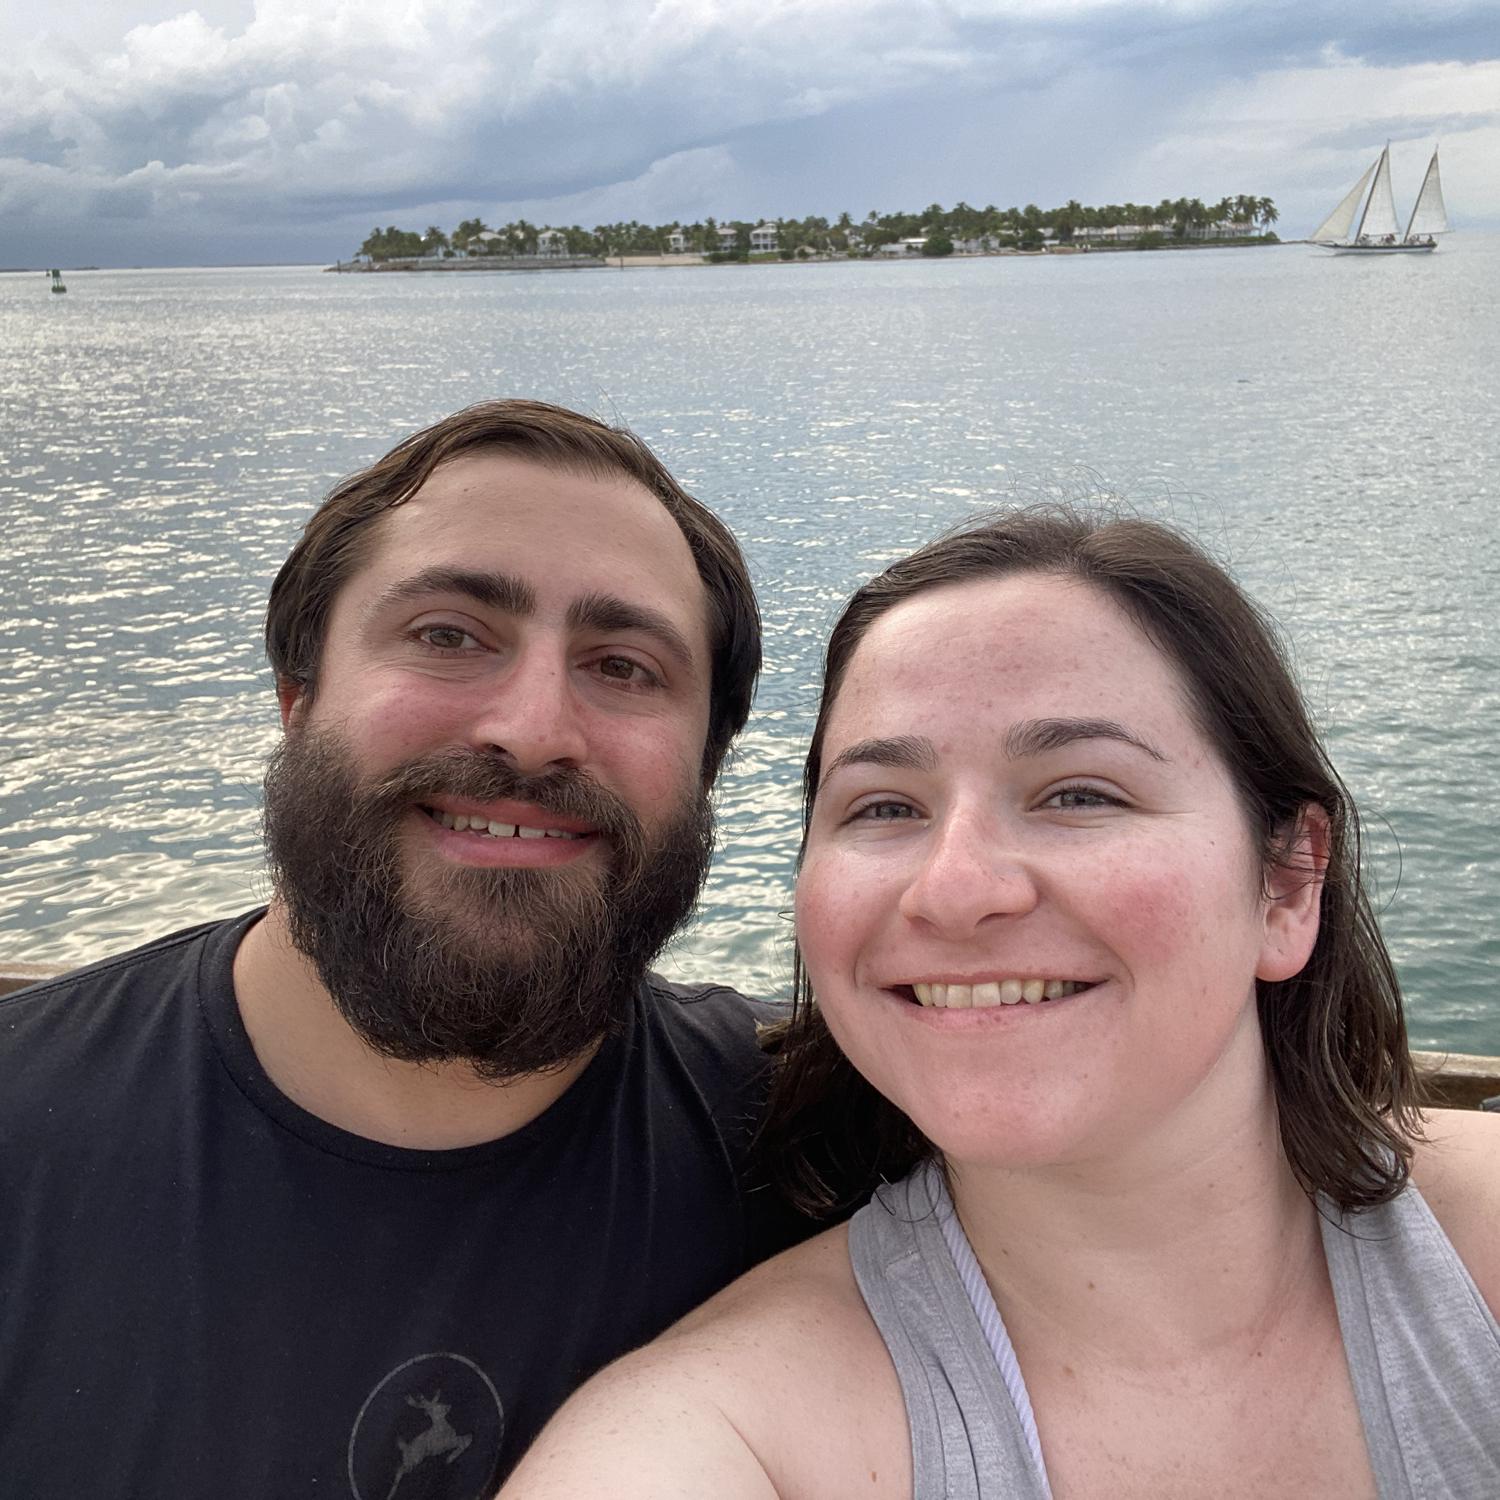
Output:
x,y
1038,736
903,752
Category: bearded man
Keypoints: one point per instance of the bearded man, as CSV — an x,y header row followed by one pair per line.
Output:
x,y
345,1195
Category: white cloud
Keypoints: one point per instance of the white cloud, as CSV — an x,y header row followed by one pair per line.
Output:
x,y
687,185
1313,130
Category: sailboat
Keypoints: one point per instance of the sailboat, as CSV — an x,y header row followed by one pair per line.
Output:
x,y
1378,232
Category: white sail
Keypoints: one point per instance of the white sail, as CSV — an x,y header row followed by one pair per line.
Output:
x,y
1338,224
1429,216
1380,211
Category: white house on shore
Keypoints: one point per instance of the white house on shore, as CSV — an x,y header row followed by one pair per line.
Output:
x,y
1224,229
729,239
1110,233
551,242
677,243
763,239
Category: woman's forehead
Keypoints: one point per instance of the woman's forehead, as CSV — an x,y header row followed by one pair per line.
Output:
x,y
989,642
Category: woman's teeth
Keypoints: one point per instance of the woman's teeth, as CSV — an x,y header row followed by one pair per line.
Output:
x,y
461,822
995,992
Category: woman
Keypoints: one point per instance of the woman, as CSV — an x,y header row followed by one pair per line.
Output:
x,y
1079,901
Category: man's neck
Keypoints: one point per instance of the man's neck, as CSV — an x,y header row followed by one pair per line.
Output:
x,y
319,1062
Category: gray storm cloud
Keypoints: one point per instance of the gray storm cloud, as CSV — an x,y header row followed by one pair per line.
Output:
x,y
288,123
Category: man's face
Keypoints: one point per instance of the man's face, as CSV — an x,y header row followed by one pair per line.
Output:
x,y
490,814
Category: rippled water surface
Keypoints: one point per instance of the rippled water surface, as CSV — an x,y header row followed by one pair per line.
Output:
x,y
1327,424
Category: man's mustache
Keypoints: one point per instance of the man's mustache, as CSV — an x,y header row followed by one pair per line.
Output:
x,y
565,793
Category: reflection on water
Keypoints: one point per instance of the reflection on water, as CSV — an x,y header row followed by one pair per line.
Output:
x,y
1327,425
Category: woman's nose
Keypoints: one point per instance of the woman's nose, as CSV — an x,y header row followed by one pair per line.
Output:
x,y
973,869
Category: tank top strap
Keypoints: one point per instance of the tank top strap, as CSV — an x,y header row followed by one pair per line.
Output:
x,y
1423,1351
968,1437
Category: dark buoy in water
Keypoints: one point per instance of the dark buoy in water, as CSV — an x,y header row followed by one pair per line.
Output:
x,y
57,281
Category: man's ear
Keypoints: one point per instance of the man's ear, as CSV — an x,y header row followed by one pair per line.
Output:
x,y
291,697
1294,896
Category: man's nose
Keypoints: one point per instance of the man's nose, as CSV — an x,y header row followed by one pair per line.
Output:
x,y
973,868
531,715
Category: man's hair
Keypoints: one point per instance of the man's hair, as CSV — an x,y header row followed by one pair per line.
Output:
x,y
337,540
1335,1039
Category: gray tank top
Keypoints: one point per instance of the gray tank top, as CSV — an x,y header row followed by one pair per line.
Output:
x,y
1423,1350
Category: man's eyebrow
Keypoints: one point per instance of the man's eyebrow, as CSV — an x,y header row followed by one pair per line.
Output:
x,y
903,752
608,612
1038,736
502,591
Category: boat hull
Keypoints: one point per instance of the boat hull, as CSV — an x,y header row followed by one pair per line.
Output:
x,y
1381,249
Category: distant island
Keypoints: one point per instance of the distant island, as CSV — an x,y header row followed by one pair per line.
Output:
x,y
935,231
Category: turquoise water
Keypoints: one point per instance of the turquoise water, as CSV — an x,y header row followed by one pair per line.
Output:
x,y
1326,424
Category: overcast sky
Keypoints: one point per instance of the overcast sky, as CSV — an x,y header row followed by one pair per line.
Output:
x,y
135,132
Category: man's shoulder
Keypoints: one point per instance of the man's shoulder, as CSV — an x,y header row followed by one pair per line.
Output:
x,y
60,1022
713,1024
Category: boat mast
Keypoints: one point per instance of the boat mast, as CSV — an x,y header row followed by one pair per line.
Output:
x,y
1380,167
1416,207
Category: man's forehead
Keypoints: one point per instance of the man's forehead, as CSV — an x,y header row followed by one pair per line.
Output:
x,y
494,496
498,470
510,531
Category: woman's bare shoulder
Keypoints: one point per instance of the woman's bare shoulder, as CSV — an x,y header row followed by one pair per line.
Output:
x,y
777,1387
814,1278
1457,1169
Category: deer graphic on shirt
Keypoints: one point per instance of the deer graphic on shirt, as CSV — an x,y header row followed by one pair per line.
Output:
x,y
439,1440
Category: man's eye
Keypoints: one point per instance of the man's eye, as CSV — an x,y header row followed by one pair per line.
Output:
x,y
625,669
446,637
886,812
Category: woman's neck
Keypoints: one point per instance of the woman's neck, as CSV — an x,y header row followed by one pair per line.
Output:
x,y
1196,1239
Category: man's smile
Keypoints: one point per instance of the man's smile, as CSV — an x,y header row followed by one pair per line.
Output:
x,y
507,833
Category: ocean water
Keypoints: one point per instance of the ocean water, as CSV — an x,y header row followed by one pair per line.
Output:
x,y
1326,424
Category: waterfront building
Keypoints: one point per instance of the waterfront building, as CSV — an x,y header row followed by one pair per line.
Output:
x,y
1111,232
1224,229
763,239
913,245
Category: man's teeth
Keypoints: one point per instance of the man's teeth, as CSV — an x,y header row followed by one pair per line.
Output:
x,y
462,822
996,992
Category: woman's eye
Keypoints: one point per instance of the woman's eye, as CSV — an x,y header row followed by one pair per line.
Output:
x,y
1078,798
446,638
886,812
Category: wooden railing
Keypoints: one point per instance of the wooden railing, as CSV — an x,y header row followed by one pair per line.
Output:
x,y
1455,1080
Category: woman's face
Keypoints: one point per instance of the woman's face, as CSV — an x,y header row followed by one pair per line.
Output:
x,y
1017,806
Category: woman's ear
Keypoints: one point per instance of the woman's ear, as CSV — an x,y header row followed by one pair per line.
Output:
x,y
1294,896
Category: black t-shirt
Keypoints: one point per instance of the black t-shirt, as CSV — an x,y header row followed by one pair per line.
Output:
x,y
207,1291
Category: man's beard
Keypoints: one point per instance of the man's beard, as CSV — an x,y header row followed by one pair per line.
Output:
x,y
512,970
